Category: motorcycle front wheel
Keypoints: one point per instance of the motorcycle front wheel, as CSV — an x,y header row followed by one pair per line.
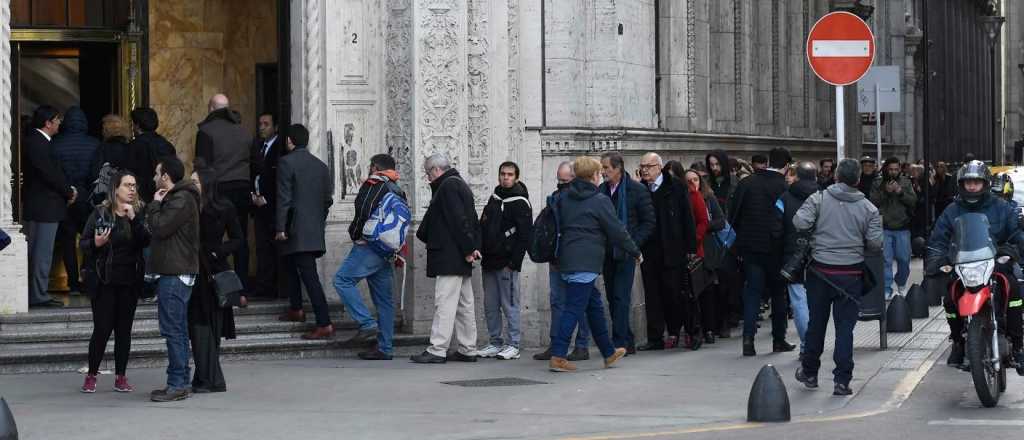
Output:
x,y
979,353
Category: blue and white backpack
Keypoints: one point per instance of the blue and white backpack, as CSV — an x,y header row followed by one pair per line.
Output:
x,y
385,230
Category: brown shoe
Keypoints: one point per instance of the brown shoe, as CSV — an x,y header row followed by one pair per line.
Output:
x,y
324,332
561,365
293,316
619,353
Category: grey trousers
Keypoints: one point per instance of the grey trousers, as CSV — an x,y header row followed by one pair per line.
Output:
x,y
501,298
40,258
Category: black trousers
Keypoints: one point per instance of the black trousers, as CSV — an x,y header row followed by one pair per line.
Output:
x,y
1012,322
663,293
205,340
239,194
299,269
67,242
709,301
113,311
267,280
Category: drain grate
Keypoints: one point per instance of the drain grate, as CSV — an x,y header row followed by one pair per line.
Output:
x,y
495,382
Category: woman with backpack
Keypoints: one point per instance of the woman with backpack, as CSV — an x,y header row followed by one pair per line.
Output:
x,y
112,245
208,322
116,151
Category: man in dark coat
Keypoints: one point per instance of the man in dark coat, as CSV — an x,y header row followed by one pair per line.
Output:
x,y
826,173
74,149
632,202
868,173
506,226
666,256
451,231
719,176
225,146
758,223
266,152
806,184
144,124
304,196
47,195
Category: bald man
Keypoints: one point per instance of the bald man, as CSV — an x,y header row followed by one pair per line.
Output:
x,y
222,144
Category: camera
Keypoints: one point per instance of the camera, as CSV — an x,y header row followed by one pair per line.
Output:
x,y
103,224
793,270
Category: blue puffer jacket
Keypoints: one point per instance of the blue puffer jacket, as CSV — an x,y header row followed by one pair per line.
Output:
x,y
74,148
1002,220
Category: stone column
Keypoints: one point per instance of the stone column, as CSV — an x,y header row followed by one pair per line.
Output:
x,y
910,74
13,259
313,74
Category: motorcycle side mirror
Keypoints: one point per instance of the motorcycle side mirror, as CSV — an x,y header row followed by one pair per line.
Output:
x,y
946,269
1003,259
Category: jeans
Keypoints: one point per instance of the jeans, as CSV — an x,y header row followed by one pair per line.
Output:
x,y
582,302
618,286
820,298
798,302
501,296
172,308
558,287
897,246
762,272
362,262
301,267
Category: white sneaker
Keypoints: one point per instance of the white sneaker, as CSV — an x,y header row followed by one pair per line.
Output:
x,y
509,353
488,352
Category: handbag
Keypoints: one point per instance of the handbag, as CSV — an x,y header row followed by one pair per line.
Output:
x,y
227,286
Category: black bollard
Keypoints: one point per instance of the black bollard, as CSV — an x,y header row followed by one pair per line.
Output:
x,y
768,401
917,298
8,429
897,316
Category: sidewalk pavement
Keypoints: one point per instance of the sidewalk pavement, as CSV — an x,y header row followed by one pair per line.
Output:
x,y
353,399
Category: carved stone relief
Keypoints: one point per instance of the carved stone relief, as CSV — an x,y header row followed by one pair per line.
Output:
x,y
398,78
314,70
479,130
516,128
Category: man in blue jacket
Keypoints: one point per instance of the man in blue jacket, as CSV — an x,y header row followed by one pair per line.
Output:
x,y
74,148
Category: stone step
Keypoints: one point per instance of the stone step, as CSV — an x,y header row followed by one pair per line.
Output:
x,y
144,311
153,353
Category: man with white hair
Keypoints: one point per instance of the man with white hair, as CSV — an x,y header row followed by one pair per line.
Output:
x,y
451,231
223,145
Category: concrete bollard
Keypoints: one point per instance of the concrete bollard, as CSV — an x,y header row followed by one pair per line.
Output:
x,y
897,316
917,298
768,401
8,429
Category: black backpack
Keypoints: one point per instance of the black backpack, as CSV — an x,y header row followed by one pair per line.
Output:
x,y
546,233
101,187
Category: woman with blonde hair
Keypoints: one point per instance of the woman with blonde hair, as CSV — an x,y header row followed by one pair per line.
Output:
x,y
112,244
121,155
588,225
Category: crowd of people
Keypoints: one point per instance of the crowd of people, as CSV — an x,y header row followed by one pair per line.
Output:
x,y
711,242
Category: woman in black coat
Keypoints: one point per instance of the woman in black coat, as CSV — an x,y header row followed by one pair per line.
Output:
x,y
207,321
112,244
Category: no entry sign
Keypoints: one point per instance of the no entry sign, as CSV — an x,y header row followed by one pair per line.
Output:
x,y
840,48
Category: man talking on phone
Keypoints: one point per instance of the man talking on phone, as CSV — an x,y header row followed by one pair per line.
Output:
x,y
894,196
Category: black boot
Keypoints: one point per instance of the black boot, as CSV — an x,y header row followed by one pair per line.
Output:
x,y
748,346
956,355
781,346
1018,360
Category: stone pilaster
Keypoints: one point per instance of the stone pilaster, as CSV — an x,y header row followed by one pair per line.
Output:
x,y
313,74
13,259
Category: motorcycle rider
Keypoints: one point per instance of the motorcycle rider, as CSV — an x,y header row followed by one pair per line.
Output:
x,y
974,196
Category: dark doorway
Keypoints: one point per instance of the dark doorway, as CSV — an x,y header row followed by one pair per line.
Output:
x,y
267,94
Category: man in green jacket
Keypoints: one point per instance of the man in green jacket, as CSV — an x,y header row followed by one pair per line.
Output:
x,y
894,196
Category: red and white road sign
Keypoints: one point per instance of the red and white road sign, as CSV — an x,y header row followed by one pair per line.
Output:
x,y
840,48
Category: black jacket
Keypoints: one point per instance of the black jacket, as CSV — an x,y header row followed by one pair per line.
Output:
x,y
120,261
174,224
752,212
722,185
133,157
639,212
265,169
225,145
367,199
792,200
305,194
45,190
450,227
512,217
152,146
214,222
675,232
588,226
866,182
74,148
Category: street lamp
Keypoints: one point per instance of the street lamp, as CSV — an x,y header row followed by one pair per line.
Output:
x,y
992,25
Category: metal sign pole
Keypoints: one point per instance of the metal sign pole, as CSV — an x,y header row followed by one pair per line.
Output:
x,y
878,124
840,128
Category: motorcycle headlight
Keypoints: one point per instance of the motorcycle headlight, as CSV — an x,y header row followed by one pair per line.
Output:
x,y
975,274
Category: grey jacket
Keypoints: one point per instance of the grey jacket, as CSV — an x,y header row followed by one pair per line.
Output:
x,y
304,196
845,225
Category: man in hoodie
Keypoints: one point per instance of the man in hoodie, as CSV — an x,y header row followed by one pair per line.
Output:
x,y
74,149
758,225
581,352
173,220
363,262
150,144
224,144
633,207
845,225
794,197
893,194
506,225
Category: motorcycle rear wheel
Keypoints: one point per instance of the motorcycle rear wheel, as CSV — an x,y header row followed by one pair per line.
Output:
x,y
979,354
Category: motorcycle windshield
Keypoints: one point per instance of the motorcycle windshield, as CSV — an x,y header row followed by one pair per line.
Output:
x,y
971,239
